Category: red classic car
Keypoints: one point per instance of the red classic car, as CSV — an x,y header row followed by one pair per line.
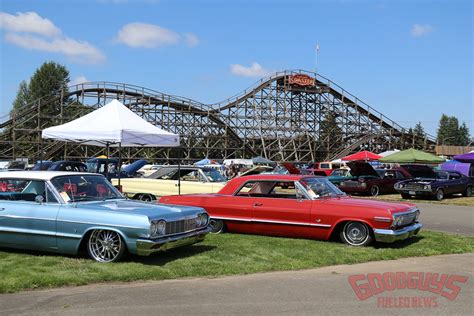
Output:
x,y
302,206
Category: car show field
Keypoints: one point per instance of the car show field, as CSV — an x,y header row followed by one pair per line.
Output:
x,y
221,254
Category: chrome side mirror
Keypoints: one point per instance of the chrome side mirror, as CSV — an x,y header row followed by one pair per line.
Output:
x,y
39,199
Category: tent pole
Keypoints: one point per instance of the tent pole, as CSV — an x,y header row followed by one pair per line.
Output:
x,y
179,170
41,153
119,162
106,168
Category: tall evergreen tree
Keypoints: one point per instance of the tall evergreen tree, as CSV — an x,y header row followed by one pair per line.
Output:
x,y
330,133
22,98
47,82
419,130
443,128
450,133
463,135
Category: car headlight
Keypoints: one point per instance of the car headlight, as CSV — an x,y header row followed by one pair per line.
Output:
x,y
198,221
363,184
427,187
397,220
161,230
153,229
417,215
204,219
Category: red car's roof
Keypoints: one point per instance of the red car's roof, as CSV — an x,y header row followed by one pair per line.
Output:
x,y
235,183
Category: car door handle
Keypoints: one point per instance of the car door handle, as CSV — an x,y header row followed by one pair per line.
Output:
x,y
2,209
258,204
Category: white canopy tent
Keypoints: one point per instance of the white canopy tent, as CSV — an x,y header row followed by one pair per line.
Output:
x,y
112,125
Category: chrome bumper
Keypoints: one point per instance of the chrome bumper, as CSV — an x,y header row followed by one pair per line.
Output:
x,y
388,235
145,247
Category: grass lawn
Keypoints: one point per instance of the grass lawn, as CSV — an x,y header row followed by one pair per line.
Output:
x,y
449,200
224,254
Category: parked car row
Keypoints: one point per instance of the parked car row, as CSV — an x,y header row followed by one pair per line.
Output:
x,y
70,212
408,180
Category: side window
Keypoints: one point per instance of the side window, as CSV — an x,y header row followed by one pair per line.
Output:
x,y
50,198
21,190
285,190
454,176
400,175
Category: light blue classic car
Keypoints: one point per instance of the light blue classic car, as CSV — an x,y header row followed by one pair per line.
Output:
x,y
67,212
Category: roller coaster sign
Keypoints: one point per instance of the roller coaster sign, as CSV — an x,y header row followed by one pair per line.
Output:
x,y
301,80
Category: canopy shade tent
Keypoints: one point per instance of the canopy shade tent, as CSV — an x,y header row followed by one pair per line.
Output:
x,y
468,158
363,155
412,156
112,125
259,160
388,152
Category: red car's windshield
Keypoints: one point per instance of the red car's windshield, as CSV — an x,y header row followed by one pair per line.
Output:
x,y
320,187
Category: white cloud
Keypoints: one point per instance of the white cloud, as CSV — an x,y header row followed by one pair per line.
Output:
x,y
421,30
31,31
79,80
28,22
151,36
80,51
146,35
255,70
191,39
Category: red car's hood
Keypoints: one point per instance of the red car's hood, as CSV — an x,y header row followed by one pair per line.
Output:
x,y
361,204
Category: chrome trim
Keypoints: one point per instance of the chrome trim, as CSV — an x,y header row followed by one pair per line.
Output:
x,y
146,247
388,235
102,224
411,210
269,221
382,219
403,214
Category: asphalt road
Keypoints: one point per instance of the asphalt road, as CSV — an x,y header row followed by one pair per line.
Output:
x,y
319,291
447,218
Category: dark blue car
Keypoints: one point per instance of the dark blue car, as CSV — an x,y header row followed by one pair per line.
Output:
x,y
436,184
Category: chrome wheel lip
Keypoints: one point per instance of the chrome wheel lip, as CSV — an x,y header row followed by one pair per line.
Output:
x,y
356,233
439,194
216,225
374,190
104,245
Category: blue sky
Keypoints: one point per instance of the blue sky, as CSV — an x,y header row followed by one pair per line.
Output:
x,y
411,60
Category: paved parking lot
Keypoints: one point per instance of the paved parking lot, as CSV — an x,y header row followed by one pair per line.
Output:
x,y
324,291
447,218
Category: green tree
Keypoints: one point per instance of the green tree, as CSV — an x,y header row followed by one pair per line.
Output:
x,y
451,133
463,135
443,129
47,82
330,133
22,98
419,130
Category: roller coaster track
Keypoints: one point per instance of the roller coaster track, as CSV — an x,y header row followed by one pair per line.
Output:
x,y
224,121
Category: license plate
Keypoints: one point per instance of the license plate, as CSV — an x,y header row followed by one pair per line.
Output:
x,y
412,192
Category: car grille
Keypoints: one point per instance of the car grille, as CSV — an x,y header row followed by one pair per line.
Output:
x,y
413,186
408,218
182,226
351,184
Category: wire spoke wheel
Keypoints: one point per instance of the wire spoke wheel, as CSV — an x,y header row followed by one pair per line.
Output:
x,y
374,190
216,225
146,198
105,246
356,234
439,194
